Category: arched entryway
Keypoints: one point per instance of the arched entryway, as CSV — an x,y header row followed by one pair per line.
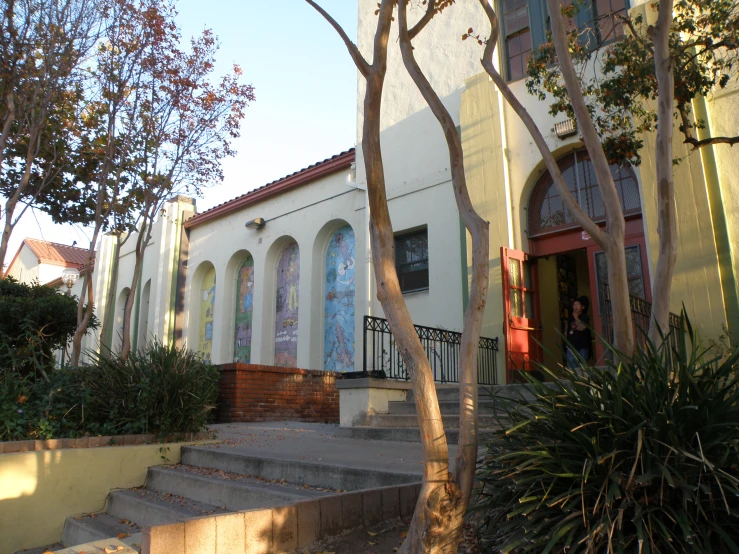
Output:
x,y
563,263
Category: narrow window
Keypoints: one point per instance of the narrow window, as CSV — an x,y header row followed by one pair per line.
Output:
x,y
412,260
518,37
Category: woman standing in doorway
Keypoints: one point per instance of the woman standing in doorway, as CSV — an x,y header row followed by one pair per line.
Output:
x,y
577,332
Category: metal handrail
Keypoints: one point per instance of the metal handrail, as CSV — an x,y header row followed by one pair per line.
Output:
x,y
381,355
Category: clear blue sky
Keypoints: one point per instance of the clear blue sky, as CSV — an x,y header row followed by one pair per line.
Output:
x,y
305,86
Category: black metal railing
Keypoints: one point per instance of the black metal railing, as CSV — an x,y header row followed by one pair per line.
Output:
x,y
641,313
381,355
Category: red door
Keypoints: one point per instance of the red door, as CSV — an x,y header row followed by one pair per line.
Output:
x,y
522,323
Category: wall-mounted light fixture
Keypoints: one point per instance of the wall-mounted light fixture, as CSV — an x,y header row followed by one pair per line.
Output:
x,y
69,278
351,177
256,223
565,129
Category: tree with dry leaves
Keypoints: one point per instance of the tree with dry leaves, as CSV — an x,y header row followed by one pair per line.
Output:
x,y
43,46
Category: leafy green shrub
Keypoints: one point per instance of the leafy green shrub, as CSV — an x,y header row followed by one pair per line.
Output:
x,y
162,389
639,457
39,409
36,320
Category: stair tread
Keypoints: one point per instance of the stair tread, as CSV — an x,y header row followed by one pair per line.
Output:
x,y
280,488
106,525
181,508
125,546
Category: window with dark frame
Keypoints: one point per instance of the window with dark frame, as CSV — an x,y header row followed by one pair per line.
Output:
x,y
526,24
518,37
412,260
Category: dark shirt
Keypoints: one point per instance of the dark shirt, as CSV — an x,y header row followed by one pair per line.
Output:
x,y
579,339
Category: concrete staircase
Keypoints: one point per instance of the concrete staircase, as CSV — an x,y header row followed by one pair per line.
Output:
x,y
401,423
213,481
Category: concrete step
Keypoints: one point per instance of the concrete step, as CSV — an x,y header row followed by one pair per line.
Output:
x,y
410,420
218,488
447,407
112,544
326,476
147,507
443,392
404,434
94,527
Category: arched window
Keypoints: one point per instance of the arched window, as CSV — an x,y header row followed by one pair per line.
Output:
x,y
207,304
286,316
244,311
338,328
547,212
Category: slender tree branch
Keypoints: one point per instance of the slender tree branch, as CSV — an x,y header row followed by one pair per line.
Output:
x,y
731,141
359,61
428,16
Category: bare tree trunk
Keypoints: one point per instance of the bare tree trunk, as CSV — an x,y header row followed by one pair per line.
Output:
x,y
83,318
465,463
611,240
440,494
7,230
667,227
141,241
110,303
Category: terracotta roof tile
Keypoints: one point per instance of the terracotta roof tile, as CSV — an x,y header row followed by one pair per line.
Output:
x,y
57,254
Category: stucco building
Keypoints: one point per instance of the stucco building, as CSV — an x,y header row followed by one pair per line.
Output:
x,y
283,274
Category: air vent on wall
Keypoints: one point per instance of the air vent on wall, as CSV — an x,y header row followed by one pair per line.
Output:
x,y
566,128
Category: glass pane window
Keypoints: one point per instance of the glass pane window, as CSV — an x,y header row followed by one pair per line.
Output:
x,y
547,212
519,52
609,23
412,261
634,271
518,37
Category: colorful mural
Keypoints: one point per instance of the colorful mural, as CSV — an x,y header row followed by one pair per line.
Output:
x,y
286,318
244,310
208,299
338,350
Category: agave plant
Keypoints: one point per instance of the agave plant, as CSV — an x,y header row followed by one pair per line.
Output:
x,y
640,456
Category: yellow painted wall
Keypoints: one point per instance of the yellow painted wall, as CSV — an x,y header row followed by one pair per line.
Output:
x,y
483,162
697,280
38,490
549,305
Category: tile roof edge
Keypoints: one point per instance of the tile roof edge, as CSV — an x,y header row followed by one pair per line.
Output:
x,y
302,177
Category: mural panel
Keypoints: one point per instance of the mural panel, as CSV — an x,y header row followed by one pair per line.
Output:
x,y
244,310
207,301
286,318
338,350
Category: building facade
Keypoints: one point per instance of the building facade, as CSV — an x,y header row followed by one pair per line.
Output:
x,y
283,274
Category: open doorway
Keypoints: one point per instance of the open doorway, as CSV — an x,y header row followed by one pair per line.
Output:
x,y
562,278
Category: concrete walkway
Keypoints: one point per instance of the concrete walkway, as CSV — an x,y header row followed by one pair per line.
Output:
x,y
318,443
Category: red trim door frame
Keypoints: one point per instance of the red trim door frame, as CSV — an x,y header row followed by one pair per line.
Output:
x,y
522,323
577,239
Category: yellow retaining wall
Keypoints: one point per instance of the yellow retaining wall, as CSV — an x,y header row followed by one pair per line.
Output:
x,y
38,490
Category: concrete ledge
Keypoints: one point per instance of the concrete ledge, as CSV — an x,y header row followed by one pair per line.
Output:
x,y
39,490
284,528
372,383
7,447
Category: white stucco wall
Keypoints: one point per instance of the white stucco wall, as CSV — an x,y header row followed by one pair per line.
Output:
x,y
25,268
309,215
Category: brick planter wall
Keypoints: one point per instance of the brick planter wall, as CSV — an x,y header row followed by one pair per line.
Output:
x,y
251,392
